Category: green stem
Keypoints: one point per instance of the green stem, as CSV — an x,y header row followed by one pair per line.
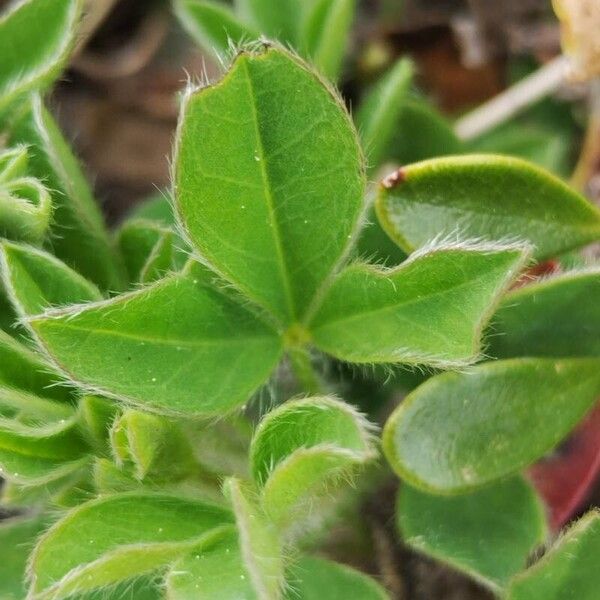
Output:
x,y
305,372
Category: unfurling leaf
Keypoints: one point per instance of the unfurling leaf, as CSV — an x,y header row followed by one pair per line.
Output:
x,y
259,544
270,204
487,197
36,37
429,310
117,538
155,445
459,431
301,449
488,534
77,235
25,204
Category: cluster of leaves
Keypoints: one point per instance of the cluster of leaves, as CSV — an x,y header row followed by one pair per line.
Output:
x,y
127,360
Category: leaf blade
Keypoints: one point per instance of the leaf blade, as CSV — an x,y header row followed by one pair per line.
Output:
x,y
568,570
173,347
376,315
487,197
264,219
488,534
459,431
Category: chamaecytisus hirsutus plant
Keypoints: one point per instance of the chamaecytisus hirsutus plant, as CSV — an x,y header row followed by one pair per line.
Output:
x,y
120,388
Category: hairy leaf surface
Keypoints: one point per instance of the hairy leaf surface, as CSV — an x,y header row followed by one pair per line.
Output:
x,y
216,570
175,347
78,234
300,452
489,197
269,179
459,431
429,310
37,454
116,538
36,37
36,280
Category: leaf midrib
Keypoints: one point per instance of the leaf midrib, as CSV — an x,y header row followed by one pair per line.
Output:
x,y
389,307
168,342
268,196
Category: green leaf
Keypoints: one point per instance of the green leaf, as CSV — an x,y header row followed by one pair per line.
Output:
x,y
378,115
20,368
17,536
570,569
217,570
259,545
459,431
429,310
270,203
38,454
96,416
156,446
157,208
325,32
147,250
315,578
213,25
36,37
146,532
277,19
487,197
488,534
303,448
421,133
25,204
78,234
13,163
174,347
547,148
37,280
557,317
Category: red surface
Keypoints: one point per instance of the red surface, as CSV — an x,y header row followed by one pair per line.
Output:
x,y
565,479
